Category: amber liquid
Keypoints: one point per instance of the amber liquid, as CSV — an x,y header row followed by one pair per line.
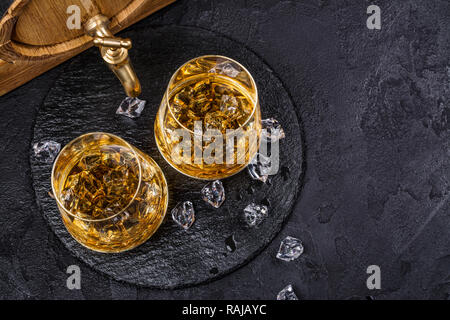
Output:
x,y
214,100
111,208
218,102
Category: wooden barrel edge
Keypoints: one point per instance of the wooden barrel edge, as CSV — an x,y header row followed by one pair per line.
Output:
x,y
12,51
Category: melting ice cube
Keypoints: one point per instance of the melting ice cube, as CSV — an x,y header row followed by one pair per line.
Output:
x,y
290,249
287,294
255,214
272,130
214,193
183,214
46,151
131,107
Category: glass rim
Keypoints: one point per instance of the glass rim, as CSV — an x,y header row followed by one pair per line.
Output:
x,y
198,178
172,78
70,144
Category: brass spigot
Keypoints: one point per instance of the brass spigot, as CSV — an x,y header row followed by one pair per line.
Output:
x,y
115,53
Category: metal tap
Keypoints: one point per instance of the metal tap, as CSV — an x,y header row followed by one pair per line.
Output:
x,y
115,53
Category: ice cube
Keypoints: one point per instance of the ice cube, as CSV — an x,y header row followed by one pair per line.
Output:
x,y
46,151
151,191
225,68
68,198
214,193
182,99
255,214
290,249
228,104
119,180
272,130
110,157
183,214
131,107
287,294
260,167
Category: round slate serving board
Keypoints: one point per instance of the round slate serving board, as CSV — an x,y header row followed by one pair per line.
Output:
x,y
85,98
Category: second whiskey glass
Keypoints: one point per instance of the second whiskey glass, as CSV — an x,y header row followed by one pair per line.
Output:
x,y
209,123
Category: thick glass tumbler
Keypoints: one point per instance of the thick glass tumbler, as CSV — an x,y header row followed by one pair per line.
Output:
x,y
209,123
112,196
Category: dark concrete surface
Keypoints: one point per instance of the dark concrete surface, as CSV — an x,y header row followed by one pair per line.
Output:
x,y
375,110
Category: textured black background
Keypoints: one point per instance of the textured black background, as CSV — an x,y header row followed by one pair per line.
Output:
x,y
375,110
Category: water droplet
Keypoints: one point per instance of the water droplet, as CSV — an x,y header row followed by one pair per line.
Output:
x,y
214,270
230,243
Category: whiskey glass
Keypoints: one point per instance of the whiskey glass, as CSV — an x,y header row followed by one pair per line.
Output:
x,y
112,197
208,125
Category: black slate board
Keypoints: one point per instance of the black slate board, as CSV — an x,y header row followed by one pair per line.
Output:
x,y
85,98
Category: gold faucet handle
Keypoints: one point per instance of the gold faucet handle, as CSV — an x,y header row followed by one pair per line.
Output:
x,y
114,52
112,42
